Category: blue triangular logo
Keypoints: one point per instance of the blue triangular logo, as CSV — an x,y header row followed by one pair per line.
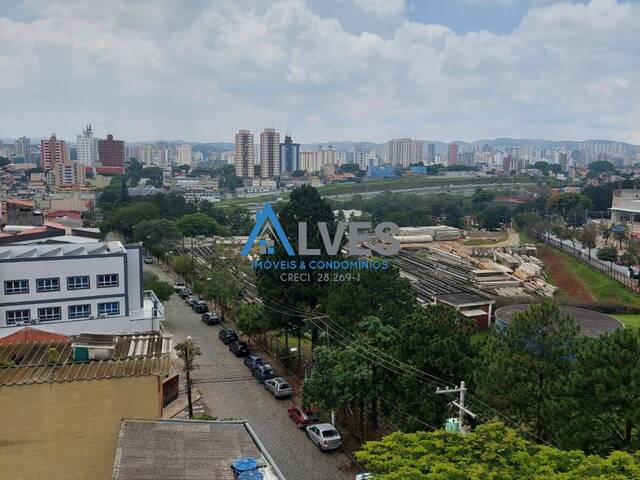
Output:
x,y
262,216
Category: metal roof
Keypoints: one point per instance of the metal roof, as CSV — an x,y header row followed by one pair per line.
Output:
x,y
10,252
130,356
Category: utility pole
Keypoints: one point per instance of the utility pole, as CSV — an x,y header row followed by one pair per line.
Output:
x,y
460,404
188,366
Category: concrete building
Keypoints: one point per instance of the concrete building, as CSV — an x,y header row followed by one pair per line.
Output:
x,y
52,151
402,152
316,160
269,153
625,205
452,154
289,156
73,288
431,153
111,152
244,157
68,175
87,148
23,149
21,212
73,394
154,155
184,154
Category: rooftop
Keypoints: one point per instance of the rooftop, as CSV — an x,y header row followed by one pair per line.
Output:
x,y
462,299
32,335
108,356
13,252
187,449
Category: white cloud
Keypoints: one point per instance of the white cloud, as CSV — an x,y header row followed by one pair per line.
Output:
x,y
159,69
382,8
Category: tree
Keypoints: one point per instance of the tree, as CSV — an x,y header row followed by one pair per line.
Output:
x,y
588,237
155,232
163,290
608,254
620,233
601,411
493,218
572,207
195,224
251,320
183,266
519,367
492,451
125,218
605,231
187,351
223,286
481,197
602,166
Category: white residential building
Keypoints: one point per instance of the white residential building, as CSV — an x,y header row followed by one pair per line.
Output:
x,y
74,288
183,154
87,148
402,152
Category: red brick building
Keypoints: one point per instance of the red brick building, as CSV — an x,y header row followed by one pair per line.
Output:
x,y
111,152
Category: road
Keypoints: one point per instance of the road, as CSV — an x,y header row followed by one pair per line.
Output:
x,y
229,391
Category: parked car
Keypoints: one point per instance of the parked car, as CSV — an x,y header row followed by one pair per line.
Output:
x,y
178,286
211,318
303,417
184,292
227,336
148,260
253,361
263,372
279,387
364,476
200,306
192,299
239,348
325,436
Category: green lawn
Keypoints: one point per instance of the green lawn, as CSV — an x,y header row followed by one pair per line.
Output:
x,y
475,242
480,336
603,287
630,320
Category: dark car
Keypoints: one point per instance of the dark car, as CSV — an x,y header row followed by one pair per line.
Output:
x,y
263,372
184,292
200,306
239,348
302,417
253,361
211,318
227,336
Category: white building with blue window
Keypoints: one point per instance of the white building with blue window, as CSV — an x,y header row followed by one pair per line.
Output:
x,y
74,288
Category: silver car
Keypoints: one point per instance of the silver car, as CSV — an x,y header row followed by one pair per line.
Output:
x,y
325,436
279,387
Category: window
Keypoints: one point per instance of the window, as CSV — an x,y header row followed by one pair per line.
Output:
x,y
108,280
18,316
110,308
79,311
78,283
48,284
11,287
49,314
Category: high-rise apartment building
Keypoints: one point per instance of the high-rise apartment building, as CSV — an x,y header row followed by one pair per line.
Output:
x,y
111,152
269,153
402,152
23,149
183,154
245,154
431,153
68,175
52,151
289,156
452,154
87,148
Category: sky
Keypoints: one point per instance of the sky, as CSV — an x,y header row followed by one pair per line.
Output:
x,y
321,70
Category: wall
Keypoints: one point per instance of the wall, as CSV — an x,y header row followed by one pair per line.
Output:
x,y
69,430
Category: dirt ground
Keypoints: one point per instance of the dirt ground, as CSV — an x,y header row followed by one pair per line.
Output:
x,y
572,287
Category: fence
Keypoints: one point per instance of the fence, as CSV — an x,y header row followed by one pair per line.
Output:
x,y
604,267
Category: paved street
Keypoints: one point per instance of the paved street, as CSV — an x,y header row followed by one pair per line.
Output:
x,y
229,391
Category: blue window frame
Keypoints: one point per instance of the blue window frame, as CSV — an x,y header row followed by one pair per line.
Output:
x,y
109,308
48,284
13,287
79,311
78,282
107,280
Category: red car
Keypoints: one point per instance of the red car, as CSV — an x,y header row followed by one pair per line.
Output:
x,y
302,416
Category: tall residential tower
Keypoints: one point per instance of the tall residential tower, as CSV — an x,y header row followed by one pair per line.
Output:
x,y
245,154
269,153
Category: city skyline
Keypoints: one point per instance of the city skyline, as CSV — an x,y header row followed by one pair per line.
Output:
x,y
336,70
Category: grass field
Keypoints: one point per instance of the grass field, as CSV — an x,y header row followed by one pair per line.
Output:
x,y
579,282
476,242
631,321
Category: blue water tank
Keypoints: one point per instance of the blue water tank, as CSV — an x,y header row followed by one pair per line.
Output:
x,y
244,464
252,475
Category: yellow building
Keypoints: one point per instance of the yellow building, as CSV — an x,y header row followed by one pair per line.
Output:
x,y
61,403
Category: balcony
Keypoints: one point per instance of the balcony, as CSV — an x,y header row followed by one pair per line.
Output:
x,y
153,308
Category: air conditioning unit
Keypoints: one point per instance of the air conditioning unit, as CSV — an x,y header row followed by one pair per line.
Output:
x,y
92,317
102,315
34,321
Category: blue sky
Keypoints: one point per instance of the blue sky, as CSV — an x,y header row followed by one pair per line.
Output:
x,y
322,69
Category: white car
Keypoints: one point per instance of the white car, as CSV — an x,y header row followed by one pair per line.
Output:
x,y
279,387
364,476
178,286
325,436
